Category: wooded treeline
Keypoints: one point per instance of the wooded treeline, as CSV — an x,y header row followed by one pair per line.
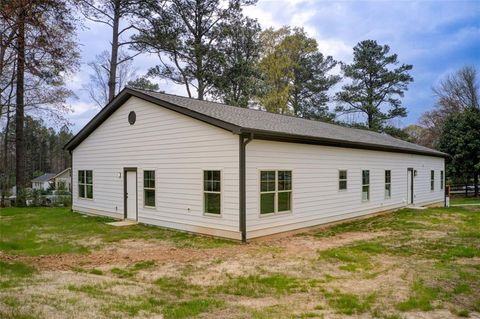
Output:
x,y
208,46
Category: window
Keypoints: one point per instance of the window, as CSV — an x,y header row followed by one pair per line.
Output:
x,y
388,184
441,179
211,192
432,180
342,180
85,184
149,188
275,191
365,185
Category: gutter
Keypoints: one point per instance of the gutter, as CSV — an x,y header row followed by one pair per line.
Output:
x,y
242,182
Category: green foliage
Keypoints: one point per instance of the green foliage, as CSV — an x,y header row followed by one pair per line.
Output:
x,y
374,84
187,33
143,83
238,66
460,138
295,76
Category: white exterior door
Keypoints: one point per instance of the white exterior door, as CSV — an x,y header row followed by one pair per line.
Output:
x,y
131,194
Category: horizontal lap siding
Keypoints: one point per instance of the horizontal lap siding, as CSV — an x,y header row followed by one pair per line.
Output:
x,y
315,182
178,148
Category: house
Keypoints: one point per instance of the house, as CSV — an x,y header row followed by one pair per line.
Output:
x,y
63,180
42,182
215,169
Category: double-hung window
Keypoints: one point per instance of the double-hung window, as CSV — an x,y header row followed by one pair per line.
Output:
x,y
85,184
365,185
441,179
212,192
275,191
149,188
388,184
342,179
432,180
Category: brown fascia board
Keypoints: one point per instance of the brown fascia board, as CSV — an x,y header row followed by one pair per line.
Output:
x,y
126,93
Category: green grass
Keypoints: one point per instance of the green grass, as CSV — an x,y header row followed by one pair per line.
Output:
x,y
464,200
349,304
421,298
436,247
191,308
12,272
258,286
354,257
46,231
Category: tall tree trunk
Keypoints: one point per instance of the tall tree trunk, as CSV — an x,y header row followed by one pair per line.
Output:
x,y
112,80
19,108
6,181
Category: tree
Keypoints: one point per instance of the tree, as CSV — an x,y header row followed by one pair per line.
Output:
x,y
185,35
461,139
376,84
45,53
456,93
295,74
113,13
240,50
143,83
98,87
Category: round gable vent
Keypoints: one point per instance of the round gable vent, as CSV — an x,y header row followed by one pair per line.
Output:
x,y
132,117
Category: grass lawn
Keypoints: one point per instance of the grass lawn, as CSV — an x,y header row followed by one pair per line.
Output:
x,y
411,263
464,200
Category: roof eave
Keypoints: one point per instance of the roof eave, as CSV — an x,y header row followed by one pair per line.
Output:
x,y
123,96
303,139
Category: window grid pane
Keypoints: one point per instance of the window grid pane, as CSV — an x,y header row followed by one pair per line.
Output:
x,y
342,180
212,192
432,180
85,184
267,203
365,185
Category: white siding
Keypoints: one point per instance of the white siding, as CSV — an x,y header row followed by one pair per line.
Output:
x,y
178,148
316,198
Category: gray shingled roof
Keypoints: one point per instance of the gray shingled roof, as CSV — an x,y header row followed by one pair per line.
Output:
x,y
43,178
265,121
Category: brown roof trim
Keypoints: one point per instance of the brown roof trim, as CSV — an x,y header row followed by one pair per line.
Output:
x,y
126,93
123,96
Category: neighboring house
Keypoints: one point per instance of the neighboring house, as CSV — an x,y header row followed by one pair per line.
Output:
x,y
227,171
42,182
63,180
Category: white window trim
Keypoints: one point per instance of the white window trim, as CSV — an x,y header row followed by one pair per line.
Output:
x,y
390,183
84,185
149,188
340,180
361,189
204,191
275,192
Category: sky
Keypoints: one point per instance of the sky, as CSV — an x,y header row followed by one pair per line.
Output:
x,y
436,37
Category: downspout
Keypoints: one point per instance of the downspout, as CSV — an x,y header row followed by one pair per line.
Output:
x,y
242,183
71,180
